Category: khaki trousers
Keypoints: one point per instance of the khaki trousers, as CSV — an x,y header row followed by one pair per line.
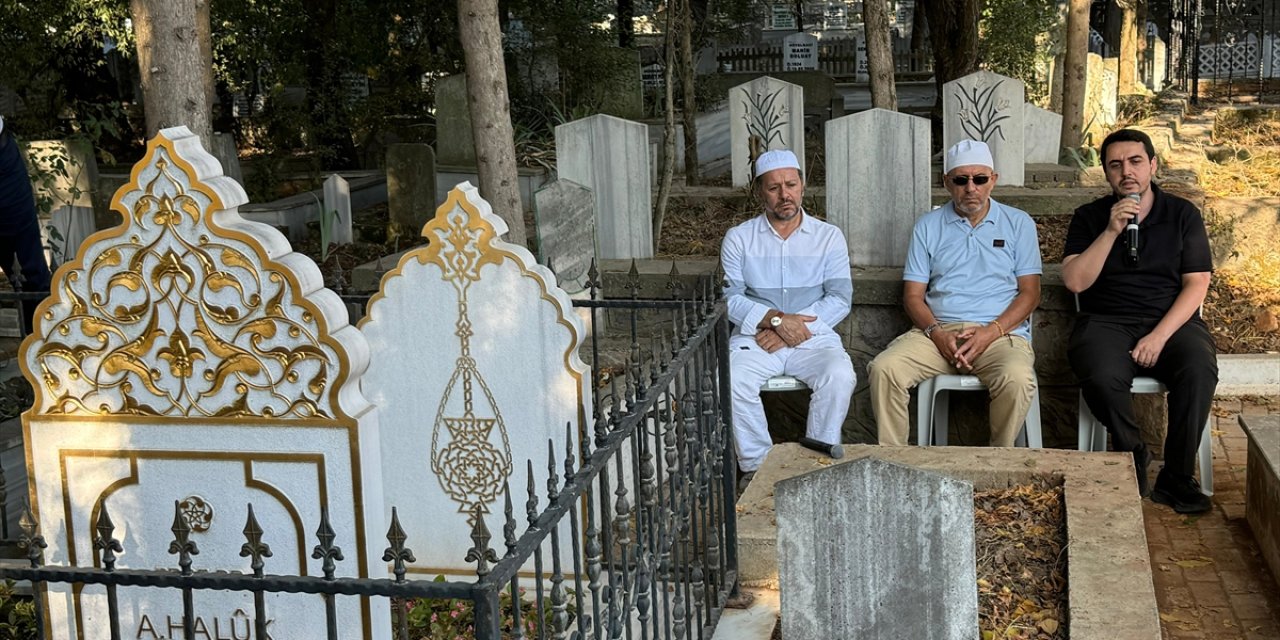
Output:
x,y
1007,368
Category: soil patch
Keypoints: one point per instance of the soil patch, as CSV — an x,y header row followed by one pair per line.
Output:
x,y
1021,540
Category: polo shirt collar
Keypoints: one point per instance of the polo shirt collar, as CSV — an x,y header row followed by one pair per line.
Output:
x,y
994,213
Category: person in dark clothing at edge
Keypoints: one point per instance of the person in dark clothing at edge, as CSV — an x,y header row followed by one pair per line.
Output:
x,y
19,226
1140,313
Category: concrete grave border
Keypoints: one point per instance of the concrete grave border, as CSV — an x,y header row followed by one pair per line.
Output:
x,y
1110,589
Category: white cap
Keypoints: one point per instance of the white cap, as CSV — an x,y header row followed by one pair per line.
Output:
x,y
968,152
776,159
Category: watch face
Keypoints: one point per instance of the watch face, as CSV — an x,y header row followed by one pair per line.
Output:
x,y
776,321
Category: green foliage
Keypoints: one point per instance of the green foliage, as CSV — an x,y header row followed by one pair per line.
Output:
x,y
429,619
1016,37
17,615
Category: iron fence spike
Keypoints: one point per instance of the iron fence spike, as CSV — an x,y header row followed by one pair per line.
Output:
x,y
254,548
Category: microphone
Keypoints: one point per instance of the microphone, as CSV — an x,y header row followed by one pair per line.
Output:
x,y
1131,233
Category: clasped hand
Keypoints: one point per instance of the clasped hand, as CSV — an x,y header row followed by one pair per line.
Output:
x,y
790,333
962,348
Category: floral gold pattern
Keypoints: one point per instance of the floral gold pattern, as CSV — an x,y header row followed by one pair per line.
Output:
x,y
174,315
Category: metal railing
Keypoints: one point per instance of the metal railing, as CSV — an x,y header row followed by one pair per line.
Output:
x,y
647,490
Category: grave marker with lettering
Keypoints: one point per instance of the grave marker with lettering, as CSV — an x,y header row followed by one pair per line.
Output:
x,y
799,52
190,363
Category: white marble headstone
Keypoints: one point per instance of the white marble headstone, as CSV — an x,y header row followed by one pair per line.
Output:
x,y
337,202
474,369
189,356
800,52
1042,133
987,106
876,550
877,182
768,109
610,156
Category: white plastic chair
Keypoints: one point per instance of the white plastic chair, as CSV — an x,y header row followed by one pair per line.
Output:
x,y
783,383
1093,436
934,408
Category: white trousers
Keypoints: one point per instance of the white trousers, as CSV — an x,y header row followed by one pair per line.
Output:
x,y
828,372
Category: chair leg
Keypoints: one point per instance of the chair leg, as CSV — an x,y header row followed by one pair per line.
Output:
x,y
941,417
1084,435
1206,459
924,413
1031,436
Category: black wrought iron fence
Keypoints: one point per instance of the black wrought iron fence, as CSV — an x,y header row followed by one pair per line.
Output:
x,y
647,490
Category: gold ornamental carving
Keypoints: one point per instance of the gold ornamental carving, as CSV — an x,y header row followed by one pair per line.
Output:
x,y
470,466
180,312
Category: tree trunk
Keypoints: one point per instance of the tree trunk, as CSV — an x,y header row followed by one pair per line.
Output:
x,y
1127,78
668,130
884,94
175,60
1075,65
490,112
688,75
953,34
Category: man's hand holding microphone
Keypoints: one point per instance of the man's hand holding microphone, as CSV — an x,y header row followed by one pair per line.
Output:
x,y
1124,216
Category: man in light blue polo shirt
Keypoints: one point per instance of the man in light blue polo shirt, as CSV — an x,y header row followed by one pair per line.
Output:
x,y
789,286
971,281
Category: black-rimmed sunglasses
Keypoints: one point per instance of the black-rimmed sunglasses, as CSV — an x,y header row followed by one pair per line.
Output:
x,y
962,181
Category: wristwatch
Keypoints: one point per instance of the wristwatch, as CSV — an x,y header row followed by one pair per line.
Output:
x,y
928,331
775,321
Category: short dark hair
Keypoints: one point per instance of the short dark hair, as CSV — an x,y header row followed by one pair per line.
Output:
x,y
1127,135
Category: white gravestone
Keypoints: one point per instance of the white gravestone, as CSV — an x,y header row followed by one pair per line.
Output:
x,y
1041,134
337,203
475,370
877,182
610,156
800,52
189,356
768,109
988,107
877,551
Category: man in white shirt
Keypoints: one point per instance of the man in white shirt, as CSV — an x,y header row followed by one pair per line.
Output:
x,y
789,286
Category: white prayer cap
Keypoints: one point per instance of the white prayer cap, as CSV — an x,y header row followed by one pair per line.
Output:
x,y
969,152
776,159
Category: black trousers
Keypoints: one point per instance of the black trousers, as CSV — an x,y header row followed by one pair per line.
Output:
x,y
1188,367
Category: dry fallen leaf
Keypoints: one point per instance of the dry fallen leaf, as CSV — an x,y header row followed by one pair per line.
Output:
x,y
1049,625
1192,563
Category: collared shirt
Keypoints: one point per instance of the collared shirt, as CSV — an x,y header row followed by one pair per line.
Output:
x,y
1172,242
807,273
971,273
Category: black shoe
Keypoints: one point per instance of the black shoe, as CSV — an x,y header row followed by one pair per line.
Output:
x,y
1180,492
1141,460
744,479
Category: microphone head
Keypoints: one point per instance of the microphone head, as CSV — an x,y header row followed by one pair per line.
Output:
x,y
1136,197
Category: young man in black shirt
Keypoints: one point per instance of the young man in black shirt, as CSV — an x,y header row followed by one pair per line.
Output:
x,y
1139,313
